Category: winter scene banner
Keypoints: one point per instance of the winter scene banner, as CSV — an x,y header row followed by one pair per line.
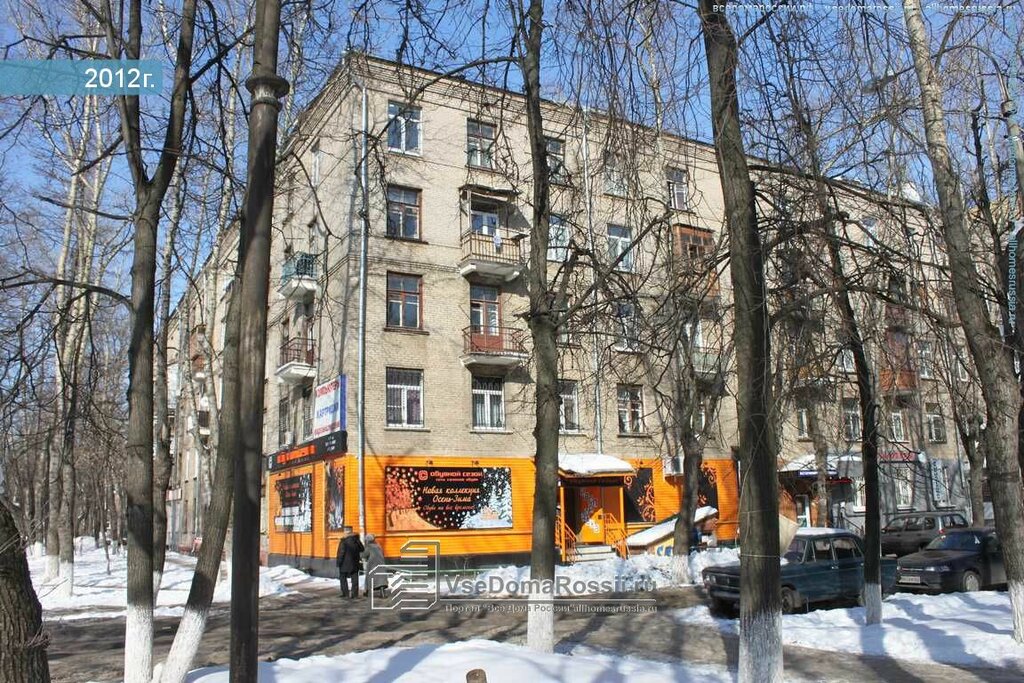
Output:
x,y
329,407
335,489
295,496
447,498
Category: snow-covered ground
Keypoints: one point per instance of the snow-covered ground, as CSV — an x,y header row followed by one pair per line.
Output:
x,y
445,663
641,572
974,629
94,587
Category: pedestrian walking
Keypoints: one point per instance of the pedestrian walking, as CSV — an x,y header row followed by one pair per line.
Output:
x,y
349,549
376,576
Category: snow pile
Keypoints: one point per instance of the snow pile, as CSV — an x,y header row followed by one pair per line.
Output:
x,y
666,528
451,662
712,557
973,629
586,464
94,587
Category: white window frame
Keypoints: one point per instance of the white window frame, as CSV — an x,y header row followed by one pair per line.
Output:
x,y
479,148
694,330
614,178
626,337
403,118
568,406
803,430
845,360
555,149
926,360
700,417
405,391
489,396
621,244
630,400
853,430
903,486
677,181
933,419
558,239
897,426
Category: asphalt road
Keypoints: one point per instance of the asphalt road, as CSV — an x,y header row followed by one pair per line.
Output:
x,y
319,622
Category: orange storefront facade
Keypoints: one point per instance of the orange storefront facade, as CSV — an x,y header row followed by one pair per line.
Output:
x,y
478,509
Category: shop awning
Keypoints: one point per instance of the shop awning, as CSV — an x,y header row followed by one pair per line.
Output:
x,y
592,465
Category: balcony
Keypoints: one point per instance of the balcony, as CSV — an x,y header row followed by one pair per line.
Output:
x,y
897,317
493,347
497,256
297,362
299,275
900,381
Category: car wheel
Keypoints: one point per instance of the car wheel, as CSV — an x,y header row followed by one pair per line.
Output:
x,y
790,600
970,582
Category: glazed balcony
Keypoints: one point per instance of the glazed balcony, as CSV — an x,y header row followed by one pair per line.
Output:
x,y
297,361
493,347
901,381
299,277
497,256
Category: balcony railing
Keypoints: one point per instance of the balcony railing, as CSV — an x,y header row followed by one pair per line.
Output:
x,y
298,350
494,341
499,254
299,264
903,380
897,317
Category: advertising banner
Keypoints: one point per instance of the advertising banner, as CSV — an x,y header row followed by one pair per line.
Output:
x,y
335,490
296,499
447,498
329,407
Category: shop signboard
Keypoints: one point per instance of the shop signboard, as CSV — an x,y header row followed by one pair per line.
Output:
x,y
447,498
329,407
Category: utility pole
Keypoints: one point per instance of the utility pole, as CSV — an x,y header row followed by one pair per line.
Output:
x,y
266,89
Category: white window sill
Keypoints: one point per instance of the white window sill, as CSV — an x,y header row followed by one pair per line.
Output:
x,y
485,430
406,428
415,153
634,435
572,433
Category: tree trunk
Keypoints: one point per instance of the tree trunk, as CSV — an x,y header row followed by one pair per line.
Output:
x,y
540,634
992,357
976,478
204,581
820,463
266,88
23,655
760,600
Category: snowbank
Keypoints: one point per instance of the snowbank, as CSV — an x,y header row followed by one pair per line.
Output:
x,y
712,557
446,663
974,629
96,588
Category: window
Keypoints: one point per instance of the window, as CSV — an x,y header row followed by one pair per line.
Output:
x,y
927,523
315,161
851,419
403,213
803,425
614,178
845,361
568,409
479,144
895,525
803,515
926,359
694,332
404,397
904,488
404,301
897,428
485,311
403,127
620,240
699,420
284,422
935,425
558,239
678,190
691,244
631,409
556,160
485,217
307,413
940,481
488,403
845,549
626,318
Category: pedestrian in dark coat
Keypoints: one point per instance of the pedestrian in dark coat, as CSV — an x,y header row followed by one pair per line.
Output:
x,y
374,556
349,565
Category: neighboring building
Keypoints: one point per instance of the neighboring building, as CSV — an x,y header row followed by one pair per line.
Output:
x,y
448,409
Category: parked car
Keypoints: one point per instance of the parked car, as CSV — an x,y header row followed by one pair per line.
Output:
x,y
958,560
820,565
909,532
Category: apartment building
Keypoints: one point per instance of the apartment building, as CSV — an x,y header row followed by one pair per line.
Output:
x,y
399,396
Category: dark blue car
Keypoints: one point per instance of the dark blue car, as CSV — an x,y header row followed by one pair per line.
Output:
x,y
957,560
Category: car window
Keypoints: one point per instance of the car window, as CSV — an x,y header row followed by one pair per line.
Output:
x,y
914,524
959,521
845,549
928,523
956,540
895,525
992,543
795,552
822,550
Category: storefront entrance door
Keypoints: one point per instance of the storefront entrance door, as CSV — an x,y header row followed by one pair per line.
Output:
x,y
594,504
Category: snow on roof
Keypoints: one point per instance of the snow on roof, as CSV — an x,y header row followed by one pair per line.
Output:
x,y
665,528
820,531
587,464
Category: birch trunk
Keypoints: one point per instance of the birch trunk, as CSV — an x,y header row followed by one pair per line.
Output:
x,y
992,356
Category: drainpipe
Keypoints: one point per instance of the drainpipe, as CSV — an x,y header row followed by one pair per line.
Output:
x,y
595,355
363,251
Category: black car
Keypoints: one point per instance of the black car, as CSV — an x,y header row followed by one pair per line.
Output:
x,y
958,560
909,532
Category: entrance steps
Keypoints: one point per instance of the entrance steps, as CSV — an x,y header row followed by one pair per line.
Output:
x,y
594,553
